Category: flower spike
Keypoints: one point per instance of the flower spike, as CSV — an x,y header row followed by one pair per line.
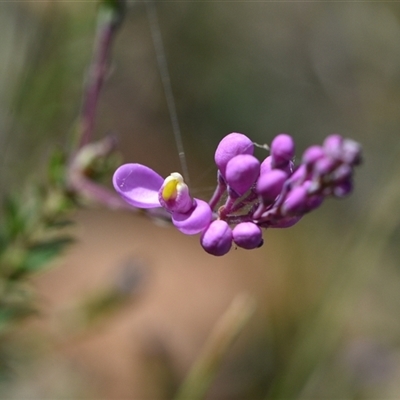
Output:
x,y
273,194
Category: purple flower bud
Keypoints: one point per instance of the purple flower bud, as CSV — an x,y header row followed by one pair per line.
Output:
x,y
343,189
342,172
247,235
351,152
230,146
174,194
138,185
217,238
314,202
241,173
285,222
266,165
312,154
325,166
296,201
269,185
311,186
194,221
299,176
333,145
282,150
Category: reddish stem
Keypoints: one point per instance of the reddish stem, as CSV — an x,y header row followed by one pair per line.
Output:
x,y
106,28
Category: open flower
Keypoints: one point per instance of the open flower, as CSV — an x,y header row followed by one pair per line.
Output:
x,y
142,187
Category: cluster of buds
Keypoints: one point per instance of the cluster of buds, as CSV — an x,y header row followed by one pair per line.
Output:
x,y
250,195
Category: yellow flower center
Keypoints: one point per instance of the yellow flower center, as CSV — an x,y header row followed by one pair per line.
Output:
x,y
171,186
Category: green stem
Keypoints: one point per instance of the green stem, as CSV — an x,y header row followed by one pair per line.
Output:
x,y
225,332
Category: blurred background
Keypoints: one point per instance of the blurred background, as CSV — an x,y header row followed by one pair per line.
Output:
x,y
327,318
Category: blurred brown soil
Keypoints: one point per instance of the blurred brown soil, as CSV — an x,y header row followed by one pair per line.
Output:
x,y
143,350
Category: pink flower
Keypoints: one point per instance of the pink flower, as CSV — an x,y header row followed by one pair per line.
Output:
x,y
142,187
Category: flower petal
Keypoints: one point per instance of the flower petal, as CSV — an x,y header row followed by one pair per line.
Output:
x,y
138,185
194,221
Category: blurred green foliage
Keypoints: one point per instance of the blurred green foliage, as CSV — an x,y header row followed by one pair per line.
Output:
x,y
39,114
50,50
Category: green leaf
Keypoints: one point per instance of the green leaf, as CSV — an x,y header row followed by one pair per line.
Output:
x,y
14,221
116,5
3,243
40,255
56,168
